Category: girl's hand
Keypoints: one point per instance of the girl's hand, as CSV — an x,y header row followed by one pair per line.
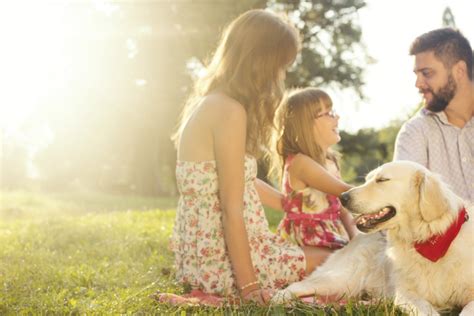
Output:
x,y
259,296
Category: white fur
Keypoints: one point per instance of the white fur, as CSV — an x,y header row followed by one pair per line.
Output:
x,y
391,267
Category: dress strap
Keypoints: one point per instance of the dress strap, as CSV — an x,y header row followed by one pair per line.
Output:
x,y
288,159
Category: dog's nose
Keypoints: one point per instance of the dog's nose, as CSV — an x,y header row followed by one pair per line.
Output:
x,y
344,197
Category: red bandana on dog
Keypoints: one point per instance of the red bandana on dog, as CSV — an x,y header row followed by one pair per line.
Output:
x,y
437,246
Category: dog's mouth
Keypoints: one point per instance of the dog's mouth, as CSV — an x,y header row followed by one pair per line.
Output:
x,y
368,222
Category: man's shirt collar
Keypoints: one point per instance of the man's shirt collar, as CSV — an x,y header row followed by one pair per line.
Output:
x,y
443,118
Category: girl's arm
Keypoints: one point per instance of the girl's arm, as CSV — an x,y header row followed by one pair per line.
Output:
x,y
314,175
269,195
348,222
229,134
308,171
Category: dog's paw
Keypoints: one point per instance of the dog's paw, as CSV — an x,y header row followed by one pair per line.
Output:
x,y
282,297
422,308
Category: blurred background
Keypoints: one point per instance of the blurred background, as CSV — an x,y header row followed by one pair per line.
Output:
x,y
91,90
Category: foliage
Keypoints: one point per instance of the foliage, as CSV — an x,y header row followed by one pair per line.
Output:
x,y
130,70
13,164
332,52
366,150
448,18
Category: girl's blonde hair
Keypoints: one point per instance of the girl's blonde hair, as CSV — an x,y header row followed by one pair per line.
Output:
x,y
296,120
246,65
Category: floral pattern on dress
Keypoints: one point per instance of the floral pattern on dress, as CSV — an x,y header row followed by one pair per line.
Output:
x,y
312,217
201,258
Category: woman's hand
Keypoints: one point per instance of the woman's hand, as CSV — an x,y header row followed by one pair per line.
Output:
x,y
258,296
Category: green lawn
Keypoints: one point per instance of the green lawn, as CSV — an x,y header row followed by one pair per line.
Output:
x,y
102,254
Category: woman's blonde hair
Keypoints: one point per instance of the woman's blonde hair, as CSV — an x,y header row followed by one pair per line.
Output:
x,y
295,122
246,65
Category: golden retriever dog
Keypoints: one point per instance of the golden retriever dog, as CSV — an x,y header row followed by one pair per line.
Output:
x,y
424,258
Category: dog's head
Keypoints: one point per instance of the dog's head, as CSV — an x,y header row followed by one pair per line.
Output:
x,y
399,194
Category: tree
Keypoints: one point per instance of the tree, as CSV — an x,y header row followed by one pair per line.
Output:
x,y
366,150
332,51
448,18
131,71
13,164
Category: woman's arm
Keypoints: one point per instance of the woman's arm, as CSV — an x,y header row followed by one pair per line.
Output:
x,y
229,134
269,195
305,169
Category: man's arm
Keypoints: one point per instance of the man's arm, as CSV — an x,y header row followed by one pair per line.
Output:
x,y
411,143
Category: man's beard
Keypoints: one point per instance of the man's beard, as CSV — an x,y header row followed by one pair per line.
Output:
x,y
441,99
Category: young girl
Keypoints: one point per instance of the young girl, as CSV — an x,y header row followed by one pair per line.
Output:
x,y
221,238
311,181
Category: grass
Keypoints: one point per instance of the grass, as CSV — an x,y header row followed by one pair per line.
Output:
x,y
102,254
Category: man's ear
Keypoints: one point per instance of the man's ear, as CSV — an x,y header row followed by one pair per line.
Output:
x,y
460,70
431,201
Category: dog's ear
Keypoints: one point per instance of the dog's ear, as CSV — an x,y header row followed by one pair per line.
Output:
x,y
431,199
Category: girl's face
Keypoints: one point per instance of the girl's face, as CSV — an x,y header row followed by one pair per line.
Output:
x,y
325,128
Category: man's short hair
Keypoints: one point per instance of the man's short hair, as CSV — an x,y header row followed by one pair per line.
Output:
x,y
447,44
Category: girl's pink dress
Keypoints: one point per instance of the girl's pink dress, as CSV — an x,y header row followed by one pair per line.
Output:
x,y
312,217
201,257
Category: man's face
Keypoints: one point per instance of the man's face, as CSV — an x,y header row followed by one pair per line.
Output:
x,y
434,81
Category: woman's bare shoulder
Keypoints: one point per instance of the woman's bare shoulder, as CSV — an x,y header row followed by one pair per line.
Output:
x,y
221,103
222,109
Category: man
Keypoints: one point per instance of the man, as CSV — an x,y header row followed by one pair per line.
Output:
x,y
441,135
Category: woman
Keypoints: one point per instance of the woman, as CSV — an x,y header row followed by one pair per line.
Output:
x,y
221,238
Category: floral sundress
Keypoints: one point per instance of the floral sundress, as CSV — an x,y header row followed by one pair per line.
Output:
x,y
312,217
201,258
